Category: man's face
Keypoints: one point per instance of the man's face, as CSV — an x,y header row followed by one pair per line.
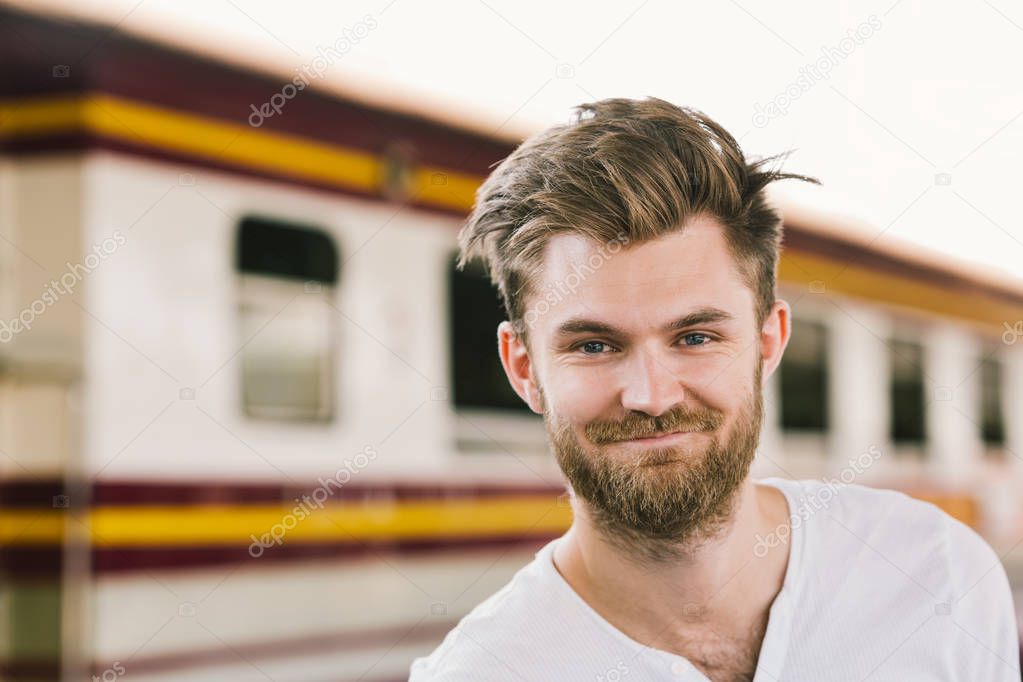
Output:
x,y
650,339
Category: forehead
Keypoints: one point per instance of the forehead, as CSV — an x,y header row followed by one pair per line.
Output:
x,y
640,286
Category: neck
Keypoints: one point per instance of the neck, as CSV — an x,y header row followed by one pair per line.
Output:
x,y
715,577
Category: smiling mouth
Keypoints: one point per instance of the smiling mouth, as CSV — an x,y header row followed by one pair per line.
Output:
x,y
658,437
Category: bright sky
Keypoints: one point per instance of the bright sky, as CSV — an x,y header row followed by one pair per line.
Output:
x,y
909,111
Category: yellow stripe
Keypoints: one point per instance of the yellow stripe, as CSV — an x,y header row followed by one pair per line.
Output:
x,y
40,116
189,526
31,527
168,525
215,140
896,290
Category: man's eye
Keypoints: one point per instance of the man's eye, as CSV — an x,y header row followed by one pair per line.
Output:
x,y
592,347
701,339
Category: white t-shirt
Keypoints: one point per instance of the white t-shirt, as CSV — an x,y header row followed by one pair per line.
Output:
x,y
879,586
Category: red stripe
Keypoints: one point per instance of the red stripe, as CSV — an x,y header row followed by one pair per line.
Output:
x,y
428,632
42,493
32,563
34,493
146,492
46,563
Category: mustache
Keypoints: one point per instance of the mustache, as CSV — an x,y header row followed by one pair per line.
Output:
x,y
643,426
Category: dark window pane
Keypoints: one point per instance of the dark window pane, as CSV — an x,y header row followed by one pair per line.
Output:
x,y
991,413
271,247
907,391
475,311
804,378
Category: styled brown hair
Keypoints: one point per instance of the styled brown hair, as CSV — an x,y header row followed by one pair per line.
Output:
x,y
626,171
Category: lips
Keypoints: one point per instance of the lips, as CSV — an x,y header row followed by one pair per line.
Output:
x,y
659,435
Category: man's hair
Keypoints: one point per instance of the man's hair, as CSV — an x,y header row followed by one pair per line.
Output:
x,y
626,171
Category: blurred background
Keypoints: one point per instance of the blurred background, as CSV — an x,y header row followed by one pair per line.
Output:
x,y
253,425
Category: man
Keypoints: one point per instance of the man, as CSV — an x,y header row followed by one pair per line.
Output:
x,y
636,254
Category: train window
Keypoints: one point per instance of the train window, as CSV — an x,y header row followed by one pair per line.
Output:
x,y
478,379
490,418
992,424
287,277
803,377
906,391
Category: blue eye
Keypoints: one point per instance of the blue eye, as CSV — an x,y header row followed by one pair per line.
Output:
x,y
590,345
698,335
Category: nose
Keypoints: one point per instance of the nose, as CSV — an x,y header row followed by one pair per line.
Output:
x,y
650,384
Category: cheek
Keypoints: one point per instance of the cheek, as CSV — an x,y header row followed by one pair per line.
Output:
x,y
724,387
722,380
579,396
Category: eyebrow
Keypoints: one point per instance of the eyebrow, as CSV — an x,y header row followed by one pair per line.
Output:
x,y
581,325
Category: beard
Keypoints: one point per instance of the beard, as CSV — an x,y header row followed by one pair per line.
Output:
x,y
660,504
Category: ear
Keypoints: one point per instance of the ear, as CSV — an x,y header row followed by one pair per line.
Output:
x,y
774,337
517,365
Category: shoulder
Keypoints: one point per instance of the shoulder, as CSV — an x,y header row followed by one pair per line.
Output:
x,y
849,529
874,515
486,642
894,522
917,562
980,603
